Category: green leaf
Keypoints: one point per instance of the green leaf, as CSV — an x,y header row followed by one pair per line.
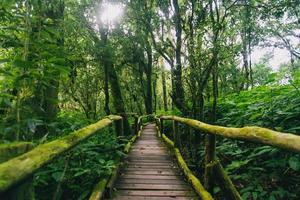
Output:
x,y
56,176
245,195
22,63
82,172
272,198
294,163
254,195
216,190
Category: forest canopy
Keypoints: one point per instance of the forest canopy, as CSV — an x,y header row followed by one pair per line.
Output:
x,y
67,63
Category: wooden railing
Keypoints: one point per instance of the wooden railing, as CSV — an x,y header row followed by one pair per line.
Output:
x,y
213,168
21,168
104,188
16,170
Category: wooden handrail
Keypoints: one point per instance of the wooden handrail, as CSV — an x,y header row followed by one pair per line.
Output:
x,y
18,169
256,134
105,186
196,183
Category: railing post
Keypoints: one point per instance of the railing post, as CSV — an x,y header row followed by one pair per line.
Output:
x,y
210,155
136,125
175,133
158,125
141,121
161,126
224,181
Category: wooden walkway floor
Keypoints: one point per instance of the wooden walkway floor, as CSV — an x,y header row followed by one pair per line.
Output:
x,y
150,172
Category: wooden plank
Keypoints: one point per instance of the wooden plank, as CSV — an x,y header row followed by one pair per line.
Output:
x,y
148,154
149,172
138,186
146,177
155,151
148,157
150,151
150,166
153,146
143,160
148,142
152,181
154,167
143,157
153,164
148,138
149,148
153,198
162,193
158,163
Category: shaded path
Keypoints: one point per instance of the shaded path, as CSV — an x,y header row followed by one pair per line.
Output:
x,y
150,172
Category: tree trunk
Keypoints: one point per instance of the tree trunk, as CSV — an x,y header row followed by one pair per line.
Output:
x,y
164,88
177,90
106,88
50,105
148,71
113,80
154,93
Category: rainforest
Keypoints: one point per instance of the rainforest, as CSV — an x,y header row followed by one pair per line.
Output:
x,y
149,99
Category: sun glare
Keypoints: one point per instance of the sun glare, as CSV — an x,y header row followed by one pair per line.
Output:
x,y
111,13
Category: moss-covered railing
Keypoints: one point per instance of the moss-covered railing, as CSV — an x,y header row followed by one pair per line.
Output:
x,y
213,167
173,145
18,169
104,188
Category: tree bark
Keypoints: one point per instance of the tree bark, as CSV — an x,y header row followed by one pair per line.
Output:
x,y
113,79
50,104
177,90
148,71
164,88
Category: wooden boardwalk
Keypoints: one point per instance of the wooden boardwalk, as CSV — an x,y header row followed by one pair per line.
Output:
x,y
150,172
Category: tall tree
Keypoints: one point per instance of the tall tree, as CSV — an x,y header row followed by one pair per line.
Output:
x,y
177,90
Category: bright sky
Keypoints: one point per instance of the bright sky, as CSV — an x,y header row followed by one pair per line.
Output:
x,y
111,13
280,56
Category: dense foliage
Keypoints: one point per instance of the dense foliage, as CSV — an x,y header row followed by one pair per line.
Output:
x,y
262,171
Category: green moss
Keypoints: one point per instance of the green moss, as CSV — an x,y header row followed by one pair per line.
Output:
x,y
169,142
187,172
19,168
11,150
99,190
225,182
129,144
197,185
107,183
252,133
158,131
